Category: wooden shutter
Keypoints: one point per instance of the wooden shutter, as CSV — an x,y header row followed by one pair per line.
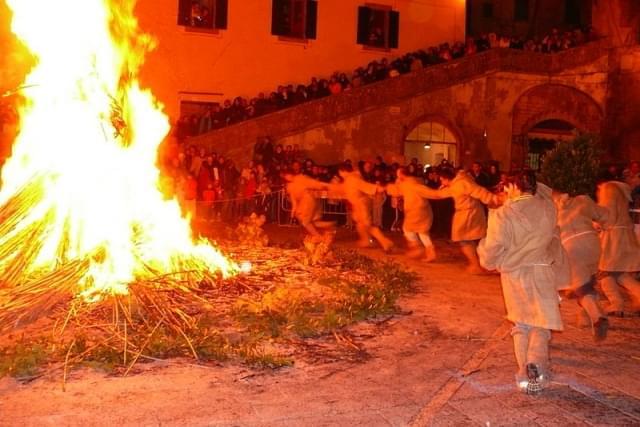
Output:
x,y
394,29
277,26
364,14
184,12
312,19
222,9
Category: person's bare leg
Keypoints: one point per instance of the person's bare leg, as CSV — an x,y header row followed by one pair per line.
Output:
x,y
363,236
429,249
628,282
520,335
384,241
612,292
473,264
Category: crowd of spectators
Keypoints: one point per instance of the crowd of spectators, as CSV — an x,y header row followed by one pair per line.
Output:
x,y
212,187
240,109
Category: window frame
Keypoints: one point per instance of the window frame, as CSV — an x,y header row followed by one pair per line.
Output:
x,y
521,10
309,29
488,10
219,13
389,16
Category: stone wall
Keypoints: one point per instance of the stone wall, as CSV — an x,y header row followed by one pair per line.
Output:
x,y
497,93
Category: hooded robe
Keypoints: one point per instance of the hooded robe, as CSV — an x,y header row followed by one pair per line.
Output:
x,y
523,245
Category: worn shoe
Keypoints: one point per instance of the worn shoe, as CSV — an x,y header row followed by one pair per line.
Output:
x,y
537,382
600,328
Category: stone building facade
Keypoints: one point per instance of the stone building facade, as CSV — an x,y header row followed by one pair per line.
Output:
x,y
497,104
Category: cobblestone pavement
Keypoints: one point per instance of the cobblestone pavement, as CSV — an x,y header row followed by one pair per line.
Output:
x,y
447,360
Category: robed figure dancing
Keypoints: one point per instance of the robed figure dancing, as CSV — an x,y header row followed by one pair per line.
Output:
x,y
620,256
522,243
306,207
418,216
576,218
469,223
359,193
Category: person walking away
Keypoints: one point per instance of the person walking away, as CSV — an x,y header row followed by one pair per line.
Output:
x,y
418,216
620,256
523,245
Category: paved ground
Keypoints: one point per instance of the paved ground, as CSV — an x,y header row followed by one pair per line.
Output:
x,y
446,361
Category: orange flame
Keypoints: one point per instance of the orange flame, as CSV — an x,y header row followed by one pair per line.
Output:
x,y
93,133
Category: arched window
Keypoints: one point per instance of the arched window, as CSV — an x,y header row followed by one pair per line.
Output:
x,y
431,142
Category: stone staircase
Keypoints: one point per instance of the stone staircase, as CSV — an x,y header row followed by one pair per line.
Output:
x,y
236,141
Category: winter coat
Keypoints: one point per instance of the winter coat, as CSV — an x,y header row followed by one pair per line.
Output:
x,y
619,246
306,207
523,245
469,219
576,216
418,215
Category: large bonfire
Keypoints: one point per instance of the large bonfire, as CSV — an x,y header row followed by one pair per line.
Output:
x,y
82,218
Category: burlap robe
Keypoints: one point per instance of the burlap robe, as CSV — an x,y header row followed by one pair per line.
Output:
x,y
619,246
580,240
469,220
418,216
522,243
306,207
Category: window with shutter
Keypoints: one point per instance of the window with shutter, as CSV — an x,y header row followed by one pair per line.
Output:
x,y
378,27
521,10
203,14
295,19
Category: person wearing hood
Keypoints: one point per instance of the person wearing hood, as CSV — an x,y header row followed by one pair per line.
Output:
x,y
418,216
620,251
576,218
469,223
305,206
359,194
522,244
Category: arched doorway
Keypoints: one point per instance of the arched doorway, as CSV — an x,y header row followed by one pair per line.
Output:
x,y
547,113
431,142
545,136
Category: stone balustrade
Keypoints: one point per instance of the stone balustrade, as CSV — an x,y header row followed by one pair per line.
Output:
x,y
236,141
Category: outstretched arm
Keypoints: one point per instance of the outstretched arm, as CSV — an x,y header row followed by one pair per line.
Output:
x,y
492,248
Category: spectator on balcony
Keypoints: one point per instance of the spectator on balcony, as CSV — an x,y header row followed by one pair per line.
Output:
x,y
334,85
445,53
357,78
323,88
300,95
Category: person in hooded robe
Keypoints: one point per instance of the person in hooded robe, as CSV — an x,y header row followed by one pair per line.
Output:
x,y
418,216
522,243
576,218
305,205
359,194
469,223
620,251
